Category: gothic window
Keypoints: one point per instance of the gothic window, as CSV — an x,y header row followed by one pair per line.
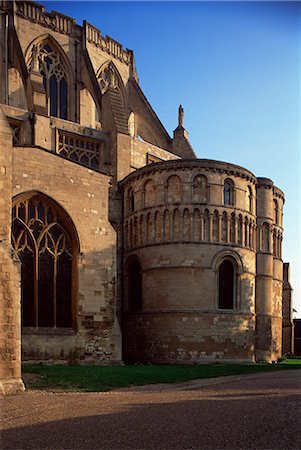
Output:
x,y
200,188
134,287
109,77
47,251
226,285
54,80
228,192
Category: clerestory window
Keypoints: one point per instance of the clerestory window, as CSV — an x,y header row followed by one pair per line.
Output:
x,y
55,81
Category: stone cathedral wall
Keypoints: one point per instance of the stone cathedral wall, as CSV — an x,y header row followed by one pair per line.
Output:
x,y
83,194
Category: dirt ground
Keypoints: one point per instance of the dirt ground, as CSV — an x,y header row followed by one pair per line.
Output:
x,y
261,411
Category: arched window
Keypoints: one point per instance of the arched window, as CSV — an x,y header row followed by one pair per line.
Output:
x,y
47,247
226,285
134,285
228,192
54,80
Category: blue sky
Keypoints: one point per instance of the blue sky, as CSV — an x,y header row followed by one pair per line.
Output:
x,y
235,68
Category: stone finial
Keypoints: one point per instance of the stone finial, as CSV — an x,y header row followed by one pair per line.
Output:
x,y
181,116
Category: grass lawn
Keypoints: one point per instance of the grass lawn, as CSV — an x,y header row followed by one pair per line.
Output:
x,y
105,378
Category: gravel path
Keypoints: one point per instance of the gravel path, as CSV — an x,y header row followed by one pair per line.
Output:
x,y
259,411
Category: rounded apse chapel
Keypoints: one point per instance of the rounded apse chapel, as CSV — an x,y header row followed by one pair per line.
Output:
x,y
193,231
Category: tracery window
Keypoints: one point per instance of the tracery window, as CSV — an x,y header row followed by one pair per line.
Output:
x,y
228,192
54,80
47,253
109,77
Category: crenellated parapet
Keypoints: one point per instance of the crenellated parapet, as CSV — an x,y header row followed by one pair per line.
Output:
x,y
107,44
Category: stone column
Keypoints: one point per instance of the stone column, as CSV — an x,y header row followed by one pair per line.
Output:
x,y
267,337
10,326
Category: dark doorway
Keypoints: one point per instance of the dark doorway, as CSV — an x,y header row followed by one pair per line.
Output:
x,y
226,285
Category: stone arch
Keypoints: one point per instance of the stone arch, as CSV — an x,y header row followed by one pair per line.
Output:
x,y
47,243
228,268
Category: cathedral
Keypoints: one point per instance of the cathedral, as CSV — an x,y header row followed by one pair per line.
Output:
x,y
116,243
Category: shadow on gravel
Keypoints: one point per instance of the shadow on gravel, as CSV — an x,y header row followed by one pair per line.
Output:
x,y
254,423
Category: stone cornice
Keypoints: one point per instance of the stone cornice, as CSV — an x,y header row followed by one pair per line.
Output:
x,y
183,164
